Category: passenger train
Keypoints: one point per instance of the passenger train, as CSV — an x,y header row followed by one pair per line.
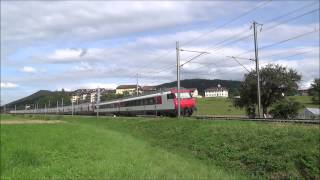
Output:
x,y
163,103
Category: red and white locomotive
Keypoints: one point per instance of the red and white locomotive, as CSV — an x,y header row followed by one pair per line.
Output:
x,y
161,103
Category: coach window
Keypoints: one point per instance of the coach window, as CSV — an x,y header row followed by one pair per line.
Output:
x,y
170,96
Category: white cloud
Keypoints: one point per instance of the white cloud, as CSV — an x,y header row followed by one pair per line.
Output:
x,y
8,85
28,69
66,54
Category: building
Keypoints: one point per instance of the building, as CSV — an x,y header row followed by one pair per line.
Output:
x,y
130,89
195,93
216,92
303,92
311,113
148,89
75,98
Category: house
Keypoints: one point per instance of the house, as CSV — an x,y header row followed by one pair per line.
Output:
x,y
75,98
93,96
147,89
216,92
303,92
131,89
195,93
311,113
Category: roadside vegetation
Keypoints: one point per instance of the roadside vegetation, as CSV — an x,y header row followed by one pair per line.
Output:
x,y
166,148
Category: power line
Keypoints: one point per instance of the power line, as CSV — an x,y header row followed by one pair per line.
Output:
x,y
289,39
293,18
232,20
281,42
293,55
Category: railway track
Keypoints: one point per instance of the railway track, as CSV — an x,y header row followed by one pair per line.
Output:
x,y
244,118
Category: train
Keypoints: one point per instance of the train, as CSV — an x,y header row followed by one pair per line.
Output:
x,y
164,103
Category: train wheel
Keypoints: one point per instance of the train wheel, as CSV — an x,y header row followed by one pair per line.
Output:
x,y
187,112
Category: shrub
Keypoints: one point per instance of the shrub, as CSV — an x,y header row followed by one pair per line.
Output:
x,y
287,109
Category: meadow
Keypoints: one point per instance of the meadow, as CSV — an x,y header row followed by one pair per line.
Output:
x,y
224,106
156,148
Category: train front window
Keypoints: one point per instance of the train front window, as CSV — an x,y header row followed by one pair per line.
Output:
x,y
184,95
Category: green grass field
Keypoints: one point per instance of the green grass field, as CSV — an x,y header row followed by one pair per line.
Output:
x,y
166,148
224,106
217,106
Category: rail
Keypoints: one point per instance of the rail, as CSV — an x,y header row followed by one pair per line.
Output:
x,y
245,118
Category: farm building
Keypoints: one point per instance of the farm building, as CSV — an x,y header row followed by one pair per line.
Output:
x,y
311,113
216,92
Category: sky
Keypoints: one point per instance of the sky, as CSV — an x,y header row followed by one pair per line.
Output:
x,y
88,44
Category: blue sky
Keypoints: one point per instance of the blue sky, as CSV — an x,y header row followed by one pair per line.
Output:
x,y
82,44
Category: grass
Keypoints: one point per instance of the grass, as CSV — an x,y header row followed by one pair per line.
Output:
x,y
84,149
224,106
166,148
306,101
217,106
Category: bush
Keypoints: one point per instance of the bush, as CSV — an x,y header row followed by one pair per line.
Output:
x,y
287,109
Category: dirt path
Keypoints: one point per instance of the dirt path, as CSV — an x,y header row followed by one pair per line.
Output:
x,y
30,122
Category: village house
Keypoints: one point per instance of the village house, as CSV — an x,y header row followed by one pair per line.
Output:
x,y
303,92
75,98
216,92
131,89
195,93
148,89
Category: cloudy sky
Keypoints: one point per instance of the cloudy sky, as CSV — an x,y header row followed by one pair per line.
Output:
x,y
86,44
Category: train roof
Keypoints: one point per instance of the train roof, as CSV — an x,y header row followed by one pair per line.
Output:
x,y
142,96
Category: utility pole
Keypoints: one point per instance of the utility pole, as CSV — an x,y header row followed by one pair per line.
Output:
x,y
62,105
98,101
72,108
45,109
178,76
49,104
57,107
15,109
137,84
257,66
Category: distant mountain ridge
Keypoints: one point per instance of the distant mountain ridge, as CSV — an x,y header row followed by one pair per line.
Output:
x,y
41,97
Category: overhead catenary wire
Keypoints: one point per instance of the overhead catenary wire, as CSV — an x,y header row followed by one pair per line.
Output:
x,y
232,20
204,34
283,41
301,15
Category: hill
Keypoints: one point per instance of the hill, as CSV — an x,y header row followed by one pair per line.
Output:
x,y
202,84
41,97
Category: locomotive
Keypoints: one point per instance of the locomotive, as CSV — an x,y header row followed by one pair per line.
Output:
x,y
163,103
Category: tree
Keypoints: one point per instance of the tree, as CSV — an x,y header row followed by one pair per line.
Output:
x,y
276,81
110,96
287,109
315,91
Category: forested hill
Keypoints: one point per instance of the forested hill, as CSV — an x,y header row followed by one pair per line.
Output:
x,y
202,84
42,97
